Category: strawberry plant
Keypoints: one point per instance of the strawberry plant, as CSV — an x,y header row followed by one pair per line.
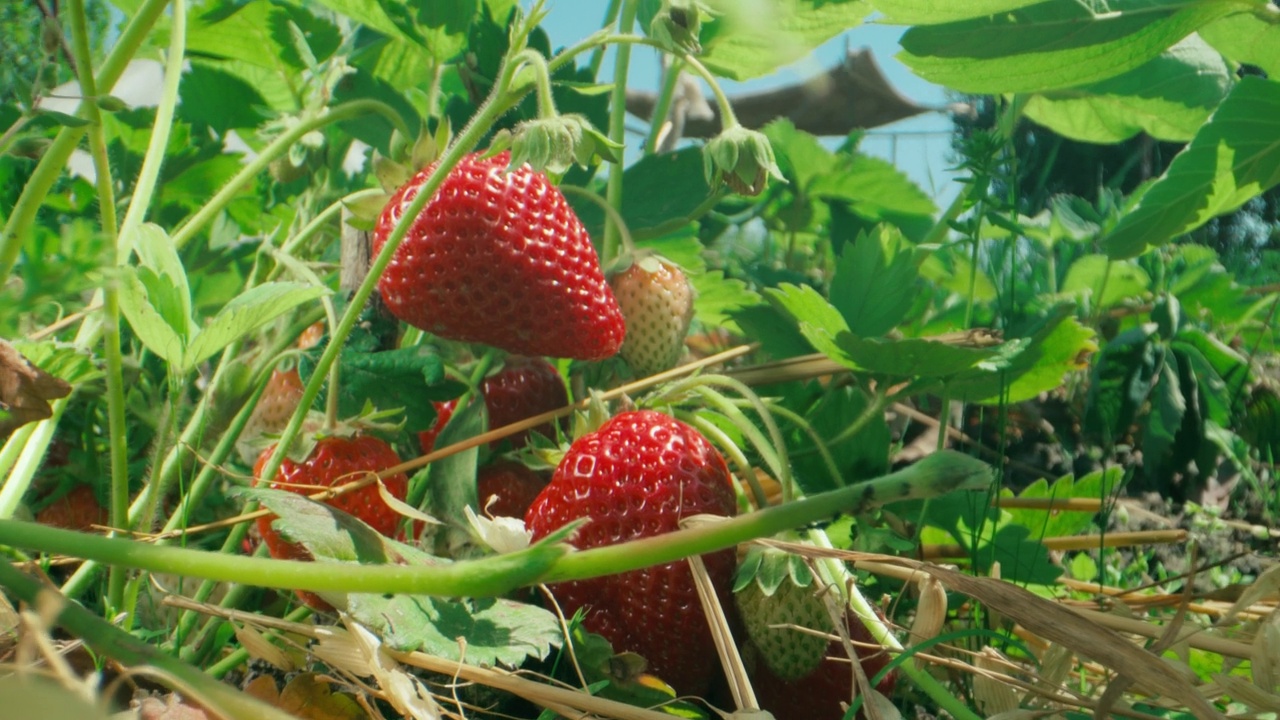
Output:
x,y
357,276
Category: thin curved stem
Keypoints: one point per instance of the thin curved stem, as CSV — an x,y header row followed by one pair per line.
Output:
x,y
617,123
277,148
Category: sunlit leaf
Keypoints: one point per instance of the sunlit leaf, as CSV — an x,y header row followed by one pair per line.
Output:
x,y
933,12
1053,44
748,40
1168,98
1233,158
1248,38
1107,282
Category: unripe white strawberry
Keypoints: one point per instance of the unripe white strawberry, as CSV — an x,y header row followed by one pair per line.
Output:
x,y
656,300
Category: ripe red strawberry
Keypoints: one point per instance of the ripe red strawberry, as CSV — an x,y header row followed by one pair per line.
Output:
x,y
335,461
657,302
79,509
524,387
798,676
514,486
635,477
500,258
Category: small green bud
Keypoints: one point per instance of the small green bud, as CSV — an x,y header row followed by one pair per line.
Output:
x,y
677,24
554,144
51,36
31,147
740,158
111,103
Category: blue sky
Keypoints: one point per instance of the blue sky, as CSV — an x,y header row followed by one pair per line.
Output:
x,y
919,146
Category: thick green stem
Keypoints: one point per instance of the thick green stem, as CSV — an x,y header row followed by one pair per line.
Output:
x,y
618,124
941,472
113,642
54,160
486,577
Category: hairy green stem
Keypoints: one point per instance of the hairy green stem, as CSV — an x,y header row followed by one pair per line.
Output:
x,y
618,124
541,80
49,169
117,424
597,52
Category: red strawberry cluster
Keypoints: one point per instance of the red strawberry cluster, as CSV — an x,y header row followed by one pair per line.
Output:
x,y
522,388
638,476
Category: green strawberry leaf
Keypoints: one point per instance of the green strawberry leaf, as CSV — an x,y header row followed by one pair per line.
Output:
x,y
167,280
1056,345
742,43
1051,45
1022,559
1232,159
409,378
478,631
824,327
1169,98
449,484
245,313
1120,382
1247,38
658,191
64,361
875,282
1108,282
767,325
495,631
151,327
1098,484
936,12
861,456
326,532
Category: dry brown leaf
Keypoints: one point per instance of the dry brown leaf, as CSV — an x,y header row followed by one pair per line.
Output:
x,y
25,390
1064,627
310,697
307,697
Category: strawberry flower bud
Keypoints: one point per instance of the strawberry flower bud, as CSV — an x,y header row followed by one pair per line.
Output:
x,y
554,144
676,26
741,159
